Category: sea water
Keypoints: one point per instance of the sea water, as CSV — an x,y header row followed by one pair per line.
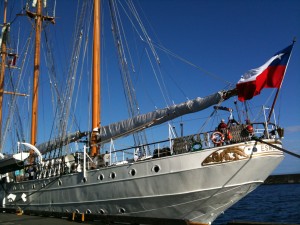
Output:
x,y
278,203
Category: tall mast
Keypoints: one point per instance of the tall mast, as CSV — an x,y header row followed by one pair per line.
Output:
x,y
36,73
96,75
3,62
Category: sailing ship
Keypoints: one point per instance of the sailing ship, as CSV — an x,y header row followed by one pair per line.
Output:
x,y
193,177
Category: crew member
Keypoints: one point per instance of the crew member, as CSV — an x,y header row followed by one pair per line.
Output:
x,y
222,126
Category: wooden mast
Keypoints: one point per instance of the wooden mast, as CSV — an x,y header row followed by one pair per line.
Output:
x,y
3,62
36,73
96,76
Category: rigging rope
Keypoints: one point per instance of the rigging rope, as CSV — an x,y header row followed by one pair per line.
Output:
x,y
132,104
191,64
80,29
147,37
157,80
13,109
275,146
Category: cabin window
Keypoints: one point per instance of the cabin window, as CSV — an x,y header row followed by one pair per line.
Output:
x,y
102,211
113,175
132,172
100,177
122,210
156,168
88,211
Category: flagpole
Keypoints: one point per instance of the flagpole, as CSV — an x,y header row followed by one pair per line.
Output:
x,y
278,90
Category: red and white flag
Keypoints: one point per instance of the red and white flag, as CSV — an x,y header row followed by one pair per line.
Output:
x,y
269,75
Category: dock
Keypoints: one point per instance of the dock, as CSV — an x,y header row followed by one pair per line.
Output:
x,y
30,217
13,217
283,179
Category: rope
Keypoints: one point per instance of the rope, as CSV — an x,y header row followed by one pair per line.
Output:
x,y
275,146
148,39
190,63
13,107
159,83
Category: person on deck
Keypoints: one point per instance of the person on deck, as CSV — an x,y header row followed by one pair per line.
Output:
x,y
222,126
106,158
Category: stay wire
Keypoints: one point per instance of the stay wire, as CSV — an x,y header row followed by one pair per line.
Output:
x,y
275,146
191,64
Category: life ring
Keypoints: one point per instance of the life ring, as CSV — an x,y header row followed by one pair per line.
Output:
x,y
217,137
196,146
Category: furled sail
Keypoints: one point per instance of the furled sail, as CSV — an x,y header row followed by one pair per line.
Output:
x,y
60,142
140,122
157,117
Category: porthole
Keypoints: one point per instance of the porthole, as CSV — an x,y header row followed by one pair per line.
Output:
x,y
156,168
88,211
132,172
100,177
122,210
113,175
102,211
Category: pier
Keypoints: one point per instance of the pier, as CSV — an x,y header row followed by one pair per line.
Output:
x,y
10,218
283,179
14,219
30,217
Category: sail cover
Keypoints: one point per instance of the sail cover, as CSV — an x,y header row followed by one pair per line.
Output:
x,y
160,116
140,122
59,142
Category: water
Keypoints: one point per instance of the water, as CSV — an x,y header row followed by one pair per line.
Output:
x,y
278,203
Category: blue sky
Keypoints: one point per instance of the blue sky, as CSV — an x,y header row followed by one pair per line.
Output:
x,y
224,38
228,38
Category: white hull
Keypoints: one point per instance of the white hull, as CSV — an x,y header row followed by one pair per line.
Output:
x,y
185,187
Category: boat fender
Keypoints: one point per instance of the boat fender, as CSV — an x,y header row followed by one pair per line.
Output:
x,y
217,137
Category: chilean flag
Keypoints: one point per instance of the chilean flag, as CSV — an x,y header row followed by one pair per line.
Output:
x,y
269,75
